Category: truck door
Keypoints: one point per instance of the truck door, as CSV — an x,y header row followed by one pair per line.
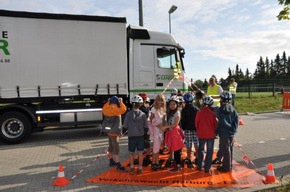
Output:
x,y
166,62
153,70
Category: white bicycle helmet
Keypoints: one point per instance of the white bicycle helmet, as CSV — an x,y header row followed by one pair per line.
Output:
x,y
174,98
174,91
226,96
136,99
208,101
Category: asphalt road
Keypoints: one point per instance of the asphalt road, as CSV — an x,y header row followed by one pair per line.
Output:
x,y
33,165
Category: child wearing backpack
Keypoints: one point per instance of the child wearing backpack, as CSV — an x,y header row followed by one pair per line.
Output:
x,y
112,111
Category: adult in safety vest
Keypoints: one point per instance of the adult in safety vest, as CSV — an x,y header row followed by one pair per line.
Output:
x,y
214,90
233,90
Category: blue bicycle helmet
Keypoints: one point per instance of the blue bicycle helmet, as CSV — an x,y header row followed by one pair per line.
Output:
x,y
208,100
226,96
188,97
114,100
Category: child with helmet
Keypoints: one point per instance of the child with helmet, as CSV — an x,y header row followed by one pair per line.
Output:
x,y
145,108
228,122
112,125
136,123
188,114
174,135
174,91
156,119
206,124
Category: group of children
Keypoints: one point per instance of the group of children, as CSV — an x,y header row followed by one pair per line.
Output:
x,y
176,123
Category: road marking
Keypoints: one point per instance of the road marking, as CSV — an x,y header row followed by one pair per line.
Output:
x,y
282,139
262,142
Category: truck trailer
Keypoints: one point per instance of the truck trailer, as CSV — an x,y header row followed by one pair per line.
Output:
x,y
59,69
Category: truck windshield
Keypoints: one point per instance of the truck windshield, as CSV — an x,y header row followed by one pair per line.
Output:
x,y
167,58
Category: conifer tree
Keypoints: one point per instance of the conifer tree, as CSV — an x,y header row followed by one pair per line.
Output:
x,y
247,76
267,68
277,65
283,62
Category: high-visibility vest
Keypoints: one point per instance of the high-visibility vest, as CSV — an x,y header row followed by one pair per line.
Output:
x,y
233,87
214,92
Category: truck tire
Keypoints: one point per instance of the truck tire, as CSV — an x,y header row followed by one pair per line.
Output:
x,y
14,127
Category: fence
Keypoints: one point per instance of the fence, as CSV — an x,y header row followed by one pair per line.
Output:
x,y
266,88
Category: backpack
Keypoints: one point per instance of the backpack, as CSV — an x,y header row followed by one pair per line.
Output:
x,y
111,124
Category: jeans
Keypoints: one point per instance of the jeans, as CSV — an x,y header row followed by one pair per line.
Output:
x,y
209,153
226,148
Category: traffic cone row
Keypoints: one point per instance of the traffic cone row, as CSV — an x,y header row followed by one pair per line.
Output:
x,y
61,181
270,177
241,121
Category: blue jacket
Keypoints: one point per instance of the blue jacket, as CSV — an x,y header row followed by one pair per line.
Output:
x,y
228,121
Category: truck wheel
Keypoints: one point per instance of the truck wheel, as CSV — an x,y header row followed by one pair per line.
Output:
x,y
14,127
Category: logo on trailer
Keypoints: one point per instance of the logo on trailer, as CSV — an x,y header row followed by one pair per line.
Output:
x,y
4,43
164,77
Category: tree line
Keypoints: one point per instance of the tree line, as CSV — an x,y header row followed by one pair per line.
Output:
x,y
267,70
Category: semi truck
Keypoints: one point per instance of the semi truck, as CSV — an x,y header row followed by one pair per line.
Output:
x,y
59,69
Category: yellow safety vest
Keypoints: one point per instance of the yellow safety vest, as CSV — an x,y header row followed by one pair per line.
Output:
x,y
233,87
214,92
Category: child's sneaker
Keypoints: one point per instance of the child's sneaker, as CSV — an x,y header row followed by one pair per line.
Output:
x,y
132,171
216,161
121,169
139,172
169,162
198,168
112,163
146,161
156,167
186,160
189,165
173,164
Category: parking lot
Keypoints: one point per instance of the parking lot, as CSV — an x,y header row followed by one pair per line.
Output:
x,y
33,165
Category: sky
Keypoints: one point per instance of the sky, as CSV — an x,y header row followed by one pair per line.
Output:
x,y
216,35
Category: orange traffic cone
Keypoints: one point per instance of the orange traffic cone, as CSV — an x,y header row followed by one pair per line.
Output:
x,y
270,177
241,121
61,181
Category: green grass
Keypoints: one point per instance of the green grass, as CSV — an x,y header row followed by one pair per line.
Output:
x,y
258,102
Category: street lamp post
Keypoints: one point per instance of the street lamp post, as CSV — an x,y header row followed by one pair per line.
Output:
x,y
171,10
140,13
